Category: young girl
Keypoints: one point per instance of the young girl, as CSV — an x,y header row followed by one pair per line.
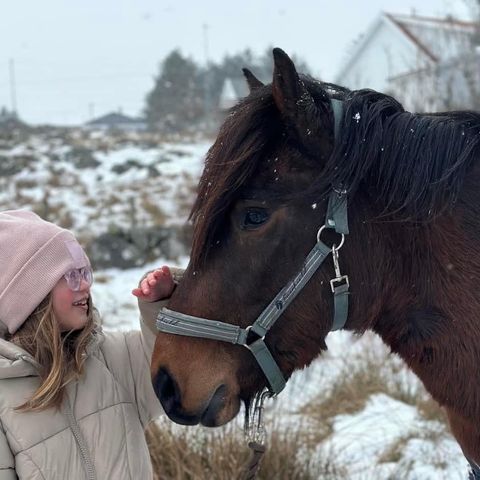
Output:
x,y
74,401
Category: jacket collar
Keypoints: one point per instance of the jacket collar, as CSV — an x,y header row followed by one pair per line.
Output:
x,y
15,362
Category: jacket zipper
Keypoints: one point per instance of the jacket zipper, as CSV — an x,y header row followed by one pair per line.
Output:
x,y
89,467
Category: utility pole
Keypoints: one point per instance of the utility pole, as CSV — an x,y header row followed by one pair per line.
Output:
x,y
205,42
13,94
91,110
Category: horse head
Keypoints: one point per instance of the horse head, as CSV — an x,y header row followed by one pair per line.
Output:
x,y
255,220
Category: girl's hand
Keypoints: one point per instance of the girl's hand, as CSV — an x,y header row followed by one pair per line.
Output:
x,y
157,285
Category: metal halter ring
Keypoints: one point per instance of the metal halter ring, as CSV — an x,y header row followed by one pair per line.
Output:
x,y
247,331
320,230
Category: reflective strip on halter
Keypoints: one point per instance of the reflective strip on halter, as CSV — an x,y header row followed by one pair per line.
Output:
x,y
288,293
178,323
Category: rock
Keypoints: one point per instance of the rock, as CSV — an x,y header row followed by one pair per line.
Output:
x,y
127,249
10,166
82,157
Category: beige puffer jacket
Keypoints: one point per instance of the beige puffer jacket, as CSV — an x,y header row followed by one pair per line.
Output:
x,y
99,432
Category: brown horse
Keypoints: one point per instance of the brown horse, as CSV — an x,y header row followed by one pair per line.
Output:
x,y
412,254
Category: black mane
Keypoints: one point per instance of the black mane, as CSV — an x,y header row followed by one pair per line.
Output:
x,y
412,165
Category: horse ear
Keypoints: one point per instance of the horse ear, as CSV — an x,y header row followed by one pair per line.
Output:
x,y
252,80
310,124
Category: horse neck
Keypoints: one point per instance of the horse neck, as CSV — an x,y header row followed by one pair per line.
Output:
x,y
423,300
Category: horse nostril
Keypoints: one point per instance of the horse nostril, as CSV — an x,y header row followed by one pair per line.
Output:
x,y
166,389
217,402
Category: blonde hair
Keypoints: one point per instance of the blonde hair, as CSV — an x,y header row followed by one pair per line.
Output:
x,y
60,355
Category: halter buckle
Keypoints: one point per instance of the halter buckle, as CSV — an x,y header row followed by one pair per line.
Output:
x,y
339,280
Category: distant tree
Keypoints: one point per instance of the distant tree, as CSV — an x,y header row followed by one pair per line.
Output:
x,y
175,102
186,95
214,75
472,63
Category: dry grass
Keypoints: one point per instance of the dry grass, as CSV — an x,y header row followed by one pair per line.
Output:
x,y
222,454
430,409
102,278
394,453
157,215
90,202
347,396
370,373
25,184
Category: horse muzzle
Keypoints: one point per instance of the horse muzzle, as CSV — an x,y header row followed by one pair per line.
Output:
x,y
210,414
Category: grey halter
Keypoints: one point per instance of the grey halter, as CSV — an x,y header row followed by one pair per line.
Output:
x,y
252,337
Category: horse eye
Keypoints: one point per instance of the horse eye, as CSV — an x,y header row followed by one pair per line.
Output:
x,y
254,217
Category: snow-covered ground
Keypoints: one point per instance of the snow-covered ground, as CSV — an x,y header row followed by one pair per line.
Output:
x,y
130,184
97,197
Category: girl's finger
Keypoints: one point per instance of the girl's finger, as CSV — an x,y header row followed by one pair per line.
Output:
x,y
166,270
145,288
158,273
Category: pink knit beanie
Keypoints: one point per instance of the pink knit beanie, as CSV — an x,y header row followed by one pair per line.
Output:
x,y
34,255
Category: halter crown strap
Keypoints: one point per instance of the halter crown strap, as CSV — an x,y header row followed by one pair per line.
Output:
x,y
337,216
337,107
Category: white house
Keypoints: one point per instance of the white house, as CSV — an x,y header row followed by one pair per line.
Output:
x,y
426,63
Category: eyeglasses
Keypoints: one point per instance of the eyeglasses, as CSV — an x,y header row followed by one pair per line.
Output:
x,y
74,278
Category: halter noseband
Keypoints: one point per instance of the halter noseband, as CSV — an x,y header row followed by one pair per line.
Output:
x,y
252,337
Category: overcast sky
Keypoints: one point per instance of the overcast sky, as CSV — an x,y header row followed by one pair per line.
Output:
x,y
73,59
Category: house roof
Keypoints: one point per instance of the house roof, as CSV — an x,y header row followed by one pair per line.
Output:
x,y
115,118
429,35
404,27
